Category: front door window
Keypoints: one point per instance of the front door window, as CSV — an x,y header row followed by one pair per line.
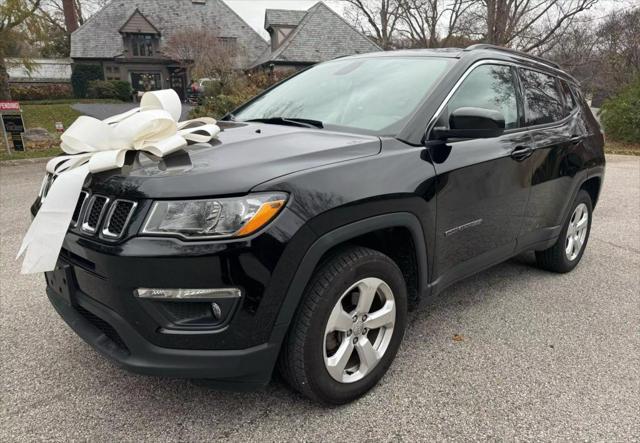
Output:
x,y
146,81
489,87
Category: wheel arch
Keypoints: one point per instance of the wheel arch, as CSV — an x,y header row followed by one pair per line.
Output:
x,y
341,236
593,186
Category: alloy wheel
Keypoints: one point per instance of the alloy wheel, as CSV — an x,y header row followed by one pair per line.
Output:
x,y
577,231
359,330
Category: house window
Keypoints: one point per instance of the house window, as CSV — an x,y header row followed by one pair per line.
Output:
x,y
143,45
112,73
229,44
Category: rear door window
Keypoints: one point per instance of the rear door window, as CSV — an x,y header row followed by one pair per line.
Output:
x,y
490,87
543,102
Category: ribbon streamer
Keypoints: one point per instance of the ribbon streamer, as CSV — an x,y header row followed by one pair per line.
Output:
x,y
95,146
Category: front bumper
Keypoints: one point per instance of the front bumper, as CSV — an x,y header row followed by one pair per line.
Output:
x,y
93,291
113,337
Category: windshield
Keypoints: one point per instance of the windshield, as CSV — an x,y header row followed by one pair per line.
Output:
x,y
372,94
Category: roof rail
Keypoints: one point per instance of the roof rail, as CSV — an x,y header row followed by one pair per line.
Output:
x,y
512,51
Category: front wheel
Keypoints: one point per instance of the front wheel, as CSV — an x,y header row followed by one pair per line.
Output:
x,y
566,253
348,328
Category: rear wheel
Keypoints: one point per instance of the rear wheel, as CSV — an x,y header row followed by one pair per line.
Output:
x,y
567,252
348,328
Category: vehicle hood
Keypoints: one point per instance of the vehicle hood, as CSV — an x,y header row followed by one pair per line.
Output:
x,y
242,156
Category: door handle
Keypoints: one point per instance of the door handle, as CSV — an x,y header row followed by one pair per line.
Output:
x,y
521,153
576,139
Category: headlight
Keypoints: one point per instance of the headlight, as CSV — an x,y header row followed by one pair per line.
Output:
x,y
215,218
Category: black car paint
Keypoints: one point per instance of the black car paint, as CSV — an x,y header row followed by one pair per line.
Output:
x,y
467,204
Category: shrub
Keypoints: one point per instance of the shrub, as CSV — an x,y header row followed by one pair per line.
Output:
x,y
621,114
82,75
42,91
115,89
221,99
123,89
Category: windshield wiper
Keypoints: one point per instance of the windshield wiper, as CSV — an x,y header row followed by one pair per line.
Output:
x,y
291,121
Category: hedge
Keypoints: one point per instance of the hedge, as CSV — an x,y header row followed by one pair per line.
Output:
x,y
82,75
621,114
116,89
42,91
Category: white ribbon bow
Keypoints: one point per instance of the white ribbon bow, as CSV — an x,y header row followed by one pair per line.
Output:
x,y
100,145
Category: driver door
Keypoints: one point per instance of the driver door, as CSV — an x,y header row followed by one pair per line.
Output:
x,y
483,184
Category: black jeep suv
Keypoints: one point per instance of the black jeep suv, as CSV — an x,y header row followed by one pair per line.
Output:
x,y
327,207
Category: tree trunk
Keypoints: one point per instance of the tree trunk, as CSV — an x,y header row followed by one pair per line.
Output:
x,y
5,93
70,15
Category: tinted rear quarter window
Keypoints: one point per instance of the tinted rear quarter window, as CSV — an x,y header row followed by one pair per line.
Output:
x,y
543,103
569,100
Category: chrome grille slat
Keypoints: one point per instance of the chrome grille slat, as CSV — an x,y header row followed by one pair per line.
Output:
x,y
78,211
118,218
94,212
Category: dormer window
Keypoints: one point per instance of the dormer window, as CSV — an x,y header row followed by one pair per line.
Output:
x,y
141,38
143,45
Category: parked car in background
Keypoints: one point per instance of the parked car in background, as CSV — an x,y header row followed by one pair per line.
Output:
x,y
331,205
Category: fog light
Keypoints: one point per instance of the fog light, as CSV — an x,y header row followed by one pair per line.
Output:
x,y
188,294
216,310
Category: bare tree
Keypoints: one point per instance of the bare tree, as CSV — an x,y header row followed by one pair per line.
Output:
x,y
204,54
528,25
603,54
13,15
376,17
435,23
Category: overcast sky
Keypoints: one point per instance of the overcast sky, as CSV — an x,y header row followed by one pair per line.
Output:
x,y
252,11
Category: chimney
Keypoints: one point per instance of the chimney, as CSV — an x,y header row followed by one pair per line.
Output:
x,y
70,17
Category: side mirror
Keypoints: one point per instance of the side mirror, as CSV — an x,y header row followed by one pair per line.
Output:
x,y
471,123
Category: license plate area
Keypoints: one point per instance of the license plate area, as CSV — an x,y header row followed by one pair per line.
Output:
x,y
61,280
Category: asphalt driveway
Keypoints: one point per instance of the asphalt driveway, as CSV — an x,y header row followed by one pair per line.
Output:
x,y
542,356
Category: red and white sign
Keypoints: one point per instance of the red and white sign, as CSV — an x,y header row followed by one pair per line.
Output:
x,y
59,127
9,106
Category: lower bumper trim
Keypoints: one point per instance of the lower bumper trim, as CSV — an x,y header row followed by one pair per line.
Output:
x,y
246,368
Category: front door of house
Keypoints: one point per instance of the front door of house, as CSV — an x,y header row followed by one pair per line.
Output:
x,y
177,80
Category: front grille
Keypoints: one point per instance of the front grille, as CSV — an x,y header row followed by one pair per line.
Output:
x,y
95,211
118,217
105,328
78,210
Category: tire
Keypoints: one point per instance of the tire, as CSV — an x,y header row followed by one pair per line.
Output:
x,y
558,257
331,302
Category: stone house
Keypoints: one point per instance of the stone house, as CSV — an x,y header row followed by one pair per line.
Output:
x,y
125,38
303,38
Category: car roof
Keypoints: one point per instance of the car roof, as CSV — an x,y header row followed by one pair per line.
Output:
x,y
476,53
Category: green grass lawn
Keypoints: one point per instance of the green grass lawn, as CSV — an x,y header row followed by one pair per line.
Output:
x,y
614,147
46,115
43,115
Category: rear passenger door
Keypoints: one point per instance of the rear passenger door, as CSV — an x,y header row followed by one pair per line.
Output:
x,y
552,115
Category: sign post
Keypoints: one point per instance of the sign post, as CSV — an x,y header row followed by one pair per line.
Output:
x,y
4,135
12,123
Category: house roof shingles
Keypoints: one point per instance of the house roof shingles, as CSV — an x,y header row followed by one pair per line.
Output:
x,y
282,17
321,35
99,37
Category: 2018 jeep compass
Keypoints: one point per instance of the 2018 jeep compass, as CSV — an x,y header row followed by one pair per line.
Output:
x,y
327,207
